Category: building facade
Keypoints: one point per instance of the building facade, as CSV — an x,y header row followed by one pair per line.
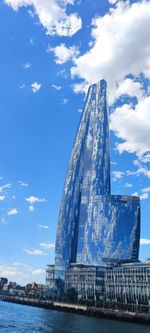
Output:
x,y
88,281
129,283
50,279
94,227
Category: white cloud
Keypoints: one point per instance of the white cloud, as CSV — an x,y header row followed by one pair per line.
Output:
x,y
32,199
63,53
146,190
117,174
146,159
21,273
6,186
80,87
31,208
56,87
43,226
52,15
35,252
132,125
12,212
116,50
36,87
10,271
47,245
127,87
144,241
27,65
113,2
144,196
135,194
2,197
140,171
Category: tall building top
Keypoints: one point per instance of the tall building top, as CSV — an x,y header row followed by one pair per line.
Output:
x,y
94,226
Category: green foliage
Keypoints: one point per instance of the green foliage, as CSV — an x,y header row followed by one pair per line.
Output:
x,y
71,295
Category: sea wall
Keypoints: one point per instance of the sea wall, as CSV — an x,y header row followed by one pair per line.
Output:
x,y
142,318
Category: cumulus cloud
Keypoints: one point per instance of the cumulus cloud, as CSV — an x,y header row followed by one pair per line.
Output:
x,y
12,212
36,87
127,87
35,252
63,54
120,53
132,125
144,241
121,45
51,14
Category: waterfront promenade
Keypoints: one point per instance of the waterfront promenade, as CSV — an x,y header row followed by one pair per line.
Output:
x,y
108,313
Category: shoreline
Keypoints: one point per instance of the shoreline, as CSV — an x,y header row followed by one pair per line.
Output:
x,y
109,314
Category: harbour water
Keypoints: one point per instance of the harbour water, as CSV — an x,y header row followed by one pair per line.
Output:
x,y
16,318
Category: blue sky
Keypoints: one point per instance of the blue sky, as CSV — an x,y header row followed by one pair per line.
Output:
x,y
50,52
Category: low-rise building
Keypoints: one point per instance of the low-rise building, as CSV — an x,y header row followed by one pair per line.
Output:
x,y
88,281
129,283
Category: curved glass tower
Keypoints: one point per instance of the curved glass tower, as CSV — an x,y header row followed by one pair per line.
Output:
x,y
94,226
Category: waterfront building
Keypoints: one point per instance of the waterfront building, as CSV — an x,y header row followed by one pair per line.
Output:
x,y
88,281
94,226
50,279
129,283
3,281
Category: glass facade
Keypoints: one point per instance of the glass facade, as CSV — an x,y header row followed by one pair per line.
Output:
x,y
94,226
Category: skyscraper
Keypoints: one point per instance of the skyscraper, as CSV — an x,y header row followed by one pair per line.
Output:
x,y
94,226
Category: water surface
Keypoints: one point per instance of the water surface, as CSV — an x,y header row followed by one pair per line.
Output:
x,y
16,318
